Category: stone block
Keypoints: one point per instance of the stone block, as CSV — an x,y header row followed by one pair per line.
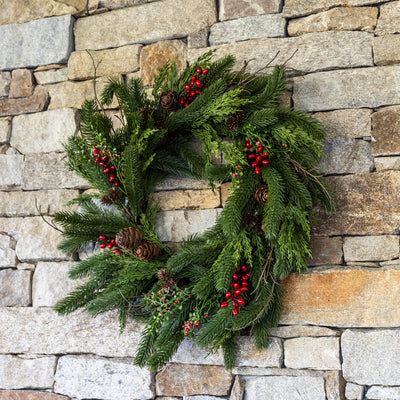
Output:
x,y
5,127
29,395
48,171
302,54
342,298
11,170
334,385
387,163
237,389
259,26
154,56
5,81
378,190
336,19
354,392
180,183
371,248
114,4
346,156
81,64
21,83
10,226
385,128
40,42
325,250
188,380
232,9
102,378
189,353
287,332
200,397
255,371
198,39
136,24
314,353
285,388
51,76
356,88
35,373
386,49
371,357
389,18
7,253
346,124
15,288
383,393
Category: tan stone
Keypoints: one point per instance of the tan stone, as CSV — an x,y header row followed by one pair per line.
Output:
x,y
15,287
5,125
337,19
385,131
249,356
287,332
156,55
10,226
21,83
225,192
114,4
386,49
389,18
232,9
81,64
37,102
188,380
335,385
5,80
238,389
345,298
387,163
11,170
51,76
326,250
29,395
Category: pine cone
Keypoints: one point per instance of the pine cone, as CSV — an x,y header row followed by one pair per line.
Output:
x,y
166,278
148,250
261,195
232,123
169,100
250,220
113,195
129,238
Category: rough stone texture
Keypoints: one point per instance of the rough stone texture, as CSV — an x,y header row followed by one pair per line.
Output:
x,y
259,26
107,62
334,385
314,353
386,49
370,248
354,392
17,203
198,39
378,190
179,183
5,127
188,380
237,391
48,171
47,130
21,83
189,353
296,331
198,398
285,388
63,335
337,19
154,56
127,26
37,102
32,373
346,124
254,371
29,395
302,54
5,80
51,76
380,393
325,250
357,88
346,156
114,4
102,378
371,357
230,9
387,163
11,170
15,288
389,18
385,131
7,252
10,226
38,241
342,298
40,42
173,226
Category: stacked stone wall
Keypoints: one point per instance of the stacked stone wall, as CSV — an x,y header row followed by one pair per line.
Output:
x,y
339,336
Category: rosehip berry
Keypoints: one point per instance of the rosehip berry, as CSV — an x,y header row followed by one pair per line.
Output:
x,y
260,149
258,171
258,158
182,101
102,237
112,241
96,150
245,284
247,140
228,295
235,277
238,292
187,87
97,160
198,91
258,143
102,245
190,98
117,183
104,158
244,268
112,168
205,71
198,82
254,164
265,162
236,286
244,289
246,277
192,93
235,312
192,83
102,164
199,70
265,155
106,170
224,304
186,104
252,156
248,145
241,302
111,178
110,246
194,78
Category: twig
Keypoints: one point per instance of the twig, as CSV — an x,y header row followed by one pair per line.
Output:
x,y
44,219
95,66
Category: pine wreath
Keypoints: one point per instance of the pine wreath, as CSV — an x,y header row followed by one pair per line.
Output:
x,y
221,282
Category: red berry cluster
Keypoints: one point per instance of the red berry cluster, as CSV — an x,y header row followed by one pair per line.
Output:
x,y
240,284
101,158
258,157
109,244
191,91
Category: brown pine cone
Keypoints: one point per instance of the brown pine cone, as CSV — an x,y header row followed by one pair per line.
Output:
x,y
232,123
113,195
129,238
250,220
169,100
166,278
261,195
148,250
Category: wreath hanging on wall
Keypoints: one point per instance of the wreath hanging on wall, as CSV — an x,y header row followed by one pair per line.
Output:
x,y
225,281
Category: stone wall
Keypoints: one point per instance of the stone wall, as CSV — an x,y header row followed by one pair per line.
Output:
x,y
340,332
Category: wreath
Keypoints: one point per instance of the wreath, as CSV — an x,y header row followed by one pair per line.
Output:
x,y
220,283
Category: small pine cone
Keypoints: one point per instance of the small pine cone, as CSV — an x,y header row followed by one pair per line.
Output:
x,y
250,220
129,238
166,278
113,195
232,123
261,195
148,250
169,100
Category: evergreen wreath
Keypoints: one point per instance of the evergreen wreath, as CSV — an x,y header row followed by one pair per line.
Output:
x,y
225,281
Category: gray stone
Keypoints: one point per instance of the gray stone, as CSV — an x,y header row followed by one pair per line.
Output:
x,y
334,385
179,183
325,250
10,226
5,80
386,49
371,357
237,391
15,288
102,378
198,39
21,83
21,373
315,353
202,397
346,124
356,88
286,332
51,76
173,226
230,9
383,393
387,163
5,125
259,26
255,371
39,42
285,388
189,353
302,54
48,171
346,156
26,267
389,18
354,392
11,170
8,257
127,26
371,248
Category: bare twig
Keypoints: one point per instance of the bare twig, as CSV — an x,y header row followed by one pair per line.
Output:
x,y
44,219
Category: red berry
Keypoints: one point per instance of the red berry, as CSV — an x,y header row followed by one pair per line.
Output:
x,y
112,241
241,302
252,156
192,93
245,284
102,237
182,101
106,170
110,246
237,292
102,245
228,295
258,143
244,289
104,158
235,312
246,277
112,168
97,160
111,178
96,150
254,164
199,70
117,251
198,82
192,83
236,285
205,71
248,145
198,91
187,87
116,183
224,304
265,155
194,78
247,140
258,158
260,149
186,104
258,171
102,164
235,277
265,162
244,268
190,98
